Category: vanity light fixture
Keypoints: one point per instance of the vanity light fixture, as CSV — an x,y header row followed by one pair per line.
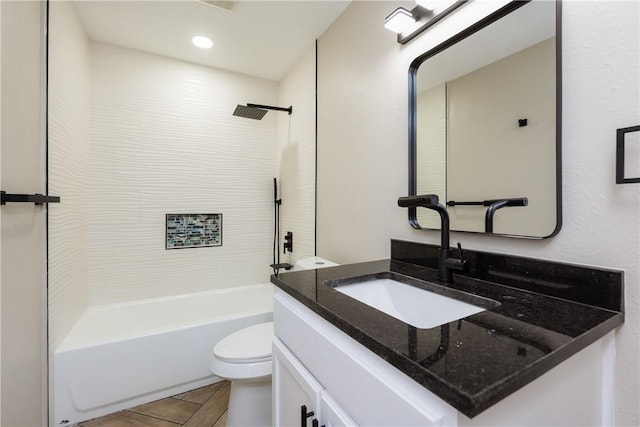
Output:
x,y
436,5
399,20
409,24
202,42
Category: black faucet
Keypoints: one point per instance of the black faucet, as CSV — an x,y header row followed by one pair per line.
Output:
x,y
446,264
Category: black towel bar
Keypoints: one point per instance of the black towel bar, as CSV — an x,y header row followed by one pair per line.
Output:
x,y
38,199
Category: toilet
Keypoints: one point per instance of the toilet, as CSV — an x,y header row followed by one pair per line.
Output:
x,y
244,358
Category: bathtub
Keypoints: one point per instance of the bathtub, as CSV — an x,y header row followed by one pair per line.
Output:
x,y
121,355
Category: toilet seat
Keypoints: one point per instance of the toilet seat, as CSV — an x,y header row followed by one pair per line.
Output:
x,y
245,355
248,345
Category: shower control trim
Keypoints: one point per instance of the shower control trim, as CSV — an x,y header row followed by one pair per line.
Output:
x,y
288,242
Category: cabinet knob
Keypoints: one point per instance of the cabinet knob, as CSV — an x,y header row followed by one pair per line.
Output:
x,y
314,423
304,415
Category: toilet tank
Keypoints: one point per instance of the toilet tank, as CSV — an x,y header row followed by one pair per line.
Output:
x,y
312,263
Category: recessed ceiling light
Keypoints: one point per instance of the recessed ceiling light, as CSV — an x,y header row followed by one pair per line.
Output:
x,y
202,42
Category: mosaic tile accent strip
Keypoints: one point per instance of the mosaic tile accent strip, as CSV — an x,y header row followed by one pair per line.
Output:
x,y
193,230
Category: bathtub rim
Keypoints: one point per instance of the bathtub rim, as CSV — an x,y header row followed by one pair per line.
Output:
x,y
90,310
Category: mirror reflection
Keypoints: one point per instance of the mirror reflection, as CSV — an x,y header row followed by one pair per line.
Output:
x,y
485,136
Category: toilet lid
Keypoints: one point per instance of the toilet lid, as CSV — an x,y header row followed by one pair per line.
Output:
x,y
251,344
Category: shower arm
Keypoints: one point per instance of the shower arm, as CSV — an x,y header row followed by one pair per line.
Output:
x,y
269,107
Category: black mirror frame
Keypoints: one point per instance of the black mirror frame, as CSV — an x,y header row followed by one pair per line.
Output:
x,y
413,70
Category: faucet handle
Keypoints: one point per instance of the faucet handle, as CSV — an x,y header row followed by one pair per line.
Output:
x,y
459,264
463,262
460,252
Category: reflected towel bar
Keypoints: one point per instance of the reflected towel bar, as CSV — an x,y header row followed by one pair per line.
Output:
x,y
520,201
38,199
494,205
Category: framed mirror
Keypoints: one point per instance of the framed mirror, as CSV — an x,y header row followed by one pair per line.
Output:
x,y
485,124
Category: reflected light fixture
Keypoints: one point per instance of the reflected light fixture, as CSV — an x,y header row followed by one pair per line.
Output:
x,y
202,42
409,24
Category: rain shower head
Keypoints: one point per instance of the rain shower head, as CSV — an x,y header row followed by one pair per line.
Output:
x,y
249,112
257,111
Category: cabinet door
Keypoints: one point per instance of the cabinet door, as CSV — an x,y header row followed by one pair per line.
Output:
x,y
332,414
293,388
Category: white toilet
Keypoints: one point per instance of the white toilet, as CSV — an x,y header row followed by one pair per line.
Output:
x,y
244,358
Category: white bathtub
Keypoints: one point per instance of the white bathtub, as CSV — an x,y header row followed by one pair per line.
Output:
x,y
121,355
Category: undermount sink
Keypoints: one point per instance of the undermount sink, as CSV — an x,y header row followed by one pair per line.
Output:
x,y
400,297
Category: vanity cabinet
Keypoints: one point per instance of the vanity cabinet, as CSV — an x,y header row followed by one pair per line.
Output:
x,y
345,384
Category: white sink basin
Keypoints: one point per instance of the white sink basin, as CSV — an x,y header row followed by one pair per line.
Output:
x,y
414,306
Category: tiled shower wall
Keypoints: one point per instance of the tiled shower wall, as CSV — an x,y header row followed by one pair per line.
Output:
x,y
68,132
296,158
133,137
163,140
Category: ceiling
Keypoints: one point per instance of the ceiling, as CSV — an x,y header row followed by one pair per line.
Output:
x,y
259,38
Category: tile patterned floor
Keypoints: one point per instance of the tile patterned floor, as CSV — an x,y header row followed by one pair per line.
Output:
x,y
203,407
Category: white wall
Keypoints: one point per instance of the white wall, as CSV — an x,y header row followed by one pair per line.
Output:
x,y
296,157
362,150
1,140
23,280
68,147
163,140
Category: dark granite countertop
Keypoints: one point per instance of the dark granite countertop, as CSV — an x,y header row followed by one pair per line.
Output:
x,y
474,362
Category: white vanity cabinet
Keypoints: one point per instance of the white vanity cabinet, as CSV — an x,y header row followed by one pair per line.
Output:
x,y
345,384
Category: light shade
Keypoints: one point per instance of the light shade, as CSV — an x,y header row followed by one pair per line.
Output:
x,y
436,5
410,24
399,20
202,42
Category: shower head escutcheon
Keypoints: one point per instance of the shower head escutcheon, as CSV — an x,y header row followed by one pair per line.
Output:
x,y
257,111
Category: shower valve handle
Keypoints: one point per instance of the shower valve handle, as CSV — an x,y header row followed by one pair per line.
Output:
x,y
288,243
